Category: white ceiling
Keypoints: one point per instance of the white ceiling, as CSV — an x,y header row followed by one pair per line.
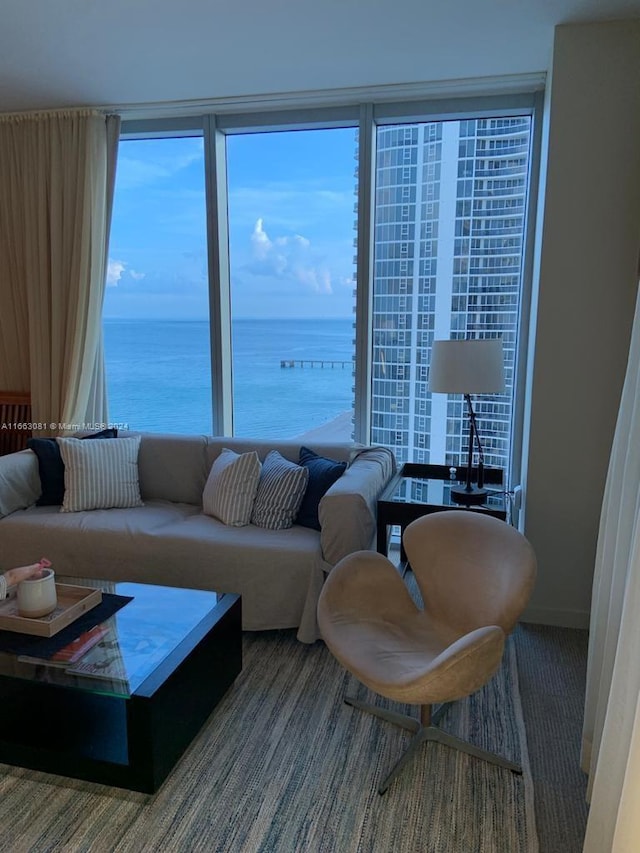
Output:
x,y
56,53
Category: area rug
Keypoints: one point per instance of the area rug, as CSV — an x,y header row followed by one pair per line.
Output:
x,y
284,765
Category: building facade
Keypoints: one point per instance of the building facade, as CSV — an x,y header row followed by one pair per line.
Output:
x,y
449,237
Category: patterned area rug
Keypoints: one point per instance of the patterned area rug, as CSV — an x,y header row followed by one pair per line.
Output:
x,y
284,765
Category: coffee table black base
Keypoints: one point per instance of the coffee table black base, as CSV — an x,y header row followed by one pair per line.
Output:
x,y
128,742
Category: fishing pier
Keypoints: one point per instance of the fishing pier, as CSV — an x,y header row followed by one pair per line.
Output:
x,y
314,362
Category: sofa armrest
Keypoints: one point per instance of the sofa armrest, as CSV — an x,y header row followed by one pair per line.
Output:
x,y
19,481
348,510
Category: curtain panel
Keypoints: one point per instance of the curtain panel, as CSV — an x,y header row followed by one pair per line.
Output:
x,y
611,732
56,188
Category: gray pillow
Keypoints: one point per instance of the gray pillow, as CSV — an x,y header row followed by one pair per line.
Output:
x,y
100,474
280,491
231,487
51,466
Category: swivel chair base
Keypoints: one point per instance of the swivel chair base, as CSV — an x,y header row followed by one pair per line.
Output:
x,y
426,729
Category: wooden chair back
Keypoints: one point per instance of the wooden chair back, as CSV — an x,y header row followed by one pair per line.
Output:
x,y
15,420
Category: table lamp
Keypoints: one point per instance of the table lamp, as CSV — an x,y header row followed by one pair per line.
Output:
x,y
468,366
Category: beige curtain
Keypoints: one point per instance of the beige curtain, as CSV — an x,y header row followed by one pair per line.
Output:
x,y
14,318
56,187
97,406
611,734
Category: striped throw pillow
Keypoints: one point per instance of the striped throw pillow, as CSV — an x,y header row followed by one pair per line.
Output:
x,y
100,474
231,487
280,491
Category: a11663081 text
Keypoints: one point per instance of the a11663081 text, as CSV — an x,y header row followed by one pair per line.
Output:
x,y
53,426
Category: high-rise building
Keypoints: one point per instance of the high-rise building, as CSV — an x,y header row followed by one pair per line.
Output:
x,y
449,235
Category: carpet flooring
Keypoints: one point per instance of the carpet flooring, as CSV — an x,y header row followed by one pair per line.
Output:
x,y
552,665
284,765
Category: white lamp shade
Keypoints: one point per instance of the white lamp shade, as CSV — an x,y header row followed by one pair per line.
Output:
x,y
467,367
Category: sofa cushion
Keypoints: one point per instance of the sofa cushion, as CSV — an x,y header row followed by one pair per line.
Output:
x,y
230,490
280,492
323,473
277,572
101,543
100,474
172,467
19,481
51,466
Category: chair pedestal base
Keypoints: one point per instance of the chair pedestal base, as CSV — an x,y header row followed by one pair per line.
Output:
x,y
425,730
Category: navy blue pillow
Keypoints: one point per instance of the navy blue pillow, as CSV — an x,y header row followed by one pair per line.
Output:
x,y
51,466
323,473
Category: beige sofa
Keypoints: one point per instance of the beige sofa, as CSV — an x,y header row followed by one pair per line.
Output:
x,y
169,541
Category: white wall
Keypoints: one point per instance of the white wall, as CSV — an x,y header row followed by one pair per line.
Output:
x,y
55,54
587,263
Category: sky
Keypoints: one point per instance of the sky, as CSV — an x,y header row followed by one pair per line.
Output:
x,y
291,199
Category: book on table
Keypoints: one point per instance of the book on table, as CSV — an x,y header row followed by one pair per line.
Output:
x,y
108,653
95,654
72,652
102,661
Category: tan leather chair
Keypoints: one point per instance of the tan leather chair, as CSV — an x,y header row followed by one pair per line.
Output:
x,y
475,574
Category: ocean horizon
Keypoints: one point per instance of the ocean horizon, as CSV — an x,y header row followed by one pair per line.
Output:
x,y
159,376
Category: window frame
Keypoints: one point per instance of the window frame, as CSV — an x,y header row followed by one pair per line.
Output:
x,y
365,115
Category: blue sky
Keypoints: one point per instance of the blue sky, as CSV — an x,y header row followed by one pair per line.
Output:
x,y
291,227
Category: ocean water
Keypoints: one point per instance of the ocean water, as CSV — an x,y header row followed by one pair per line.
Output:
x,y
158,375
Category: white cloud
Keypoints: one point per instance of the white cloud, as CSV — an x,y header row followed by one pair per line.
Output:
x,y
318,280
117,269
297,240
261,244
291,206
290,258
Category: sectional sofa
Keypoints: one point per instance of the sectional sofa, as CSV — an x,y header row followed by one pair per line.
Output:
x,y
168,540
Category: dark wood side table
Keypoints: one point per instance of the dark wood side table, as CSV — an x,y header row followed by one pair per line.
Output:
x,y
419,489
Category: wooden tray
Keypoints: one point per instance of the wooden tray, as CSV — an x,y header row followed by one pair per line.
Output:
x,y
72,602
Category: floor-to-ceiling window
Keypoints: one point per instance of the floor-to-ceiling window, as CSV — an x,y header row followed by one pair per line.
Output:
x,y
340,243
290,207
156,314
450,218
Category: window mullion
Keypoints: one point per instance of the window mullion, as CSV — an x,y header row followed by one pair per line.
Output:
x,y
364,275
219,278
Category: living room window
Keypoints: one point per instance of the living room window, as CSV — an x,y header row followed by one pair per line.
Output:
x,y
445,268
352,219
291,257
156,312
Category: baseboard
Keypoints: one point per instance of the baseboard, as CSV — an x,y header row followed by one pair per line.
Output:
x,y
560,618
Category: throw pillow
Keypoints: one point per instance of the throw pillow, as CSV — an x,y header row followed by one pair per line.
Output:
x,y
231,487
51,466
323,473
280,492
100,474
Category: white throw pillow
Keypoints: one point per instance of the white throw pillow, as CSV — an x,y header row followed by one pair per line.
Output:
x,y
280,492
231,487
100,474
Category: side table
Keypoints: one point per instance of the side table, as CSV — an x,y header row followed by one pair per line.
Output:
x,y
419,489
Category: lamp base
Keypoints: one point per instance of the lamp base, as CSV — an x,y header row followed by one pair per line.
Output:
x,y
471,496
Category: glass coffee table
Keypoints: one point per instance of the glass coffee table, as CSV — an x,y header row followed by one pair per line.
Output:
x,y
126,710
